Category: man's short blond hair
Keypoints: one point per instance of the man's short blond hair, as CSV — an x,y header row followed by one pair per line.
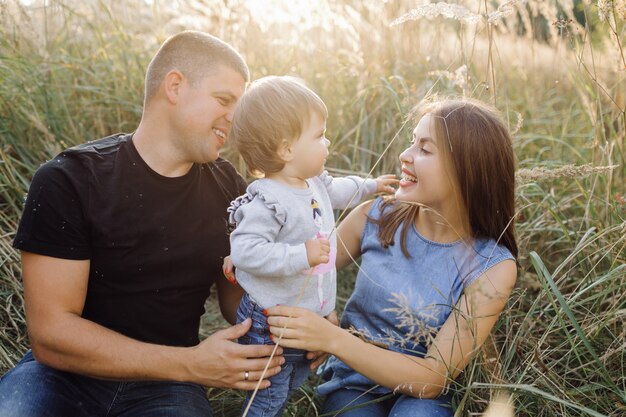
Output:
x,y
196,55
273,110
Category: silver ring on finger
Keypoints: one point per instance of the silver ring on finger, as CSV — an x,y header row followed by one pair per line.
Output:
x,y
246,375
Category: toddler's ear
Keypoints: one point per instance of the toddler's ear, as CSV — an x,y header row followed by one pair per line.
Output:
x,y
284,151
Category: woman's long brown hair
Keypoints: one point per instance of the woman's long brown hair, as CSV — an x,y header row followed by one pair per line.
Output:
x,y
477,145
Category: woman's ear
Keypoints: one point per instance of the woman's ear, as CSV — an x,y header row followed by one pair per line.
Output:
x,y
284,151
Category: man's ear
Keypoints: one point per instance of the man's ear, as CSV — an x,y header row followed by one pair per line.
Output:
x,y
284,151
172,85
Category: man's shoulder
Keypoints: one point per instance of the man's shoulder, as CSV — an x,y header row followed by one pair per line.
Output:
x,y
222,165
78,160
227,176
103,146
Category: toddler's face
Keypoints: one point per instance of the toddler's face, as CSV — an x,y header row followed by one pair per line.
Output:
x,y
310,150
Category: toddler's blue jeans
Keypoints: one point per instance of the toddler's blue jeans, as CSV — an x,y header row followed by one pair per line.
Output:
x,y
295,371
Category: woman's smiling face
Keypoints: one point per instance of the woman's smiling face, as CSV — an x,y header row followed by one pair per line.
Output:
x,y
425,179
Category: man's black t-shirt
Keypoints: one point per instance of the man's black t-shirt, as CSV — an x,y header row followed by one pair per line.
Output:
x,y
155,244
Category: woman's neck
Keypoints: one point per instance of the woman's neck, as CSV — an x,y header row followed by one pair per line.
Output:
x,y
439,227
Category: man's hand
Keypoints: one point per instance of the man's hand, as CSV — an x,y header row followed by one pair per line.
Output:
x,y
384,182
317,251
219,362
319,357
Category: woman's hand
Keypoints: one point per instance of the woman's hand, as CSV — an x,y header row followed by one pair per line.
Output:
x,y
318,357
302,329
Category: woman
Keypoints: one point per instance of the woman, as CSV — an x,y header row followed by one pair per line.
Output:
x,y
438,265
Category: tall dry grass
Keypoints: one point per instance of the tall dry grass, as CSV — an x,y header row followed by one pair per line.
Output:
x,y
73,71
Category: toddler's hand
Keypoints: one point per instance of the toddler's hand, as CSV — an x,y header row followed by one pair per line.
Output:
x,y
317,251
229,270
383,183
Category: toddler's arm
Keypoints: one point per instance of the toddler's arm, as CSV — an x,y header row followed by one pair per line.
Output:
x,y
349,191
254,248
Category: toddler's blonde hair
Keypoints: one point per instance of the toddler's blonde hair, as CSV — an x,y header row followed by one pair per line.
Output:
x,y
275,109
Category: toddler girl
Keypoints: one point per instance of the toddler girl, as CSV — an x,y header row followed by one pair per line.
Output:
x,y
283,246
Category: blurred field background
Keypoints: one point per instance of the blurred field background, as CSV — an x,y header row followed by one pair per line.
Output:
x,y
72,71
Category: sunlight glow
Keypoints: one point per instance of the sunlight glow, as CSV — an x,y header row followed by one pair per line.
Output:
x,y
304,13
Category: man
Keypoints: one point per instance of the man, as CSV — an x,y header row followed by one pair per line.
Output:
x,y
121,240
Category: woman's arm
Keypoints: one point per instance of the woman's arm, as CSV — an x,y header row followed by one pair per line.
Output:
x,y
469,325
349,235
456,343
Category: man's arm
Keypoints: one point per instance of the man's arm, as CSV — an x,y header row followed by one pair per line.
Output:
x,y
55,291
229,295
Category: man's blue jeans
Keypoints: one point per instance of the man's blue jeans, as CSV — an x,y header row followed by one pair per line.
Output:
x,y
32,389
272,401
